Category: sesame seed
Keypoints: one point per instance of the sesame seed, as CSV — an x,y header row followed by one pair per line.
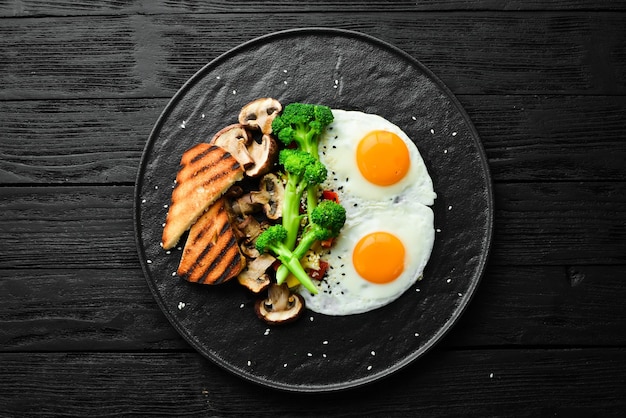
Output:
x,y
173,273
165,206
285,82
453,133
156,187
285,71
445,151
369,367
234,91
417,334
432,131
491,375
438,230
181,305
413,117
324,355
183,125
242,306
460,294
267,332
218,78
324,342
168,252
449,280
285,365
249,363
309,354
373,353
450,207
203,116
417,290
311,319
143,201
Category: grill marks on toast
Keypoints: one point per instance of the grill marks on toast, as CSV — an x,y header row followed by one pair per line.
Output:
x,y
206,172
211,254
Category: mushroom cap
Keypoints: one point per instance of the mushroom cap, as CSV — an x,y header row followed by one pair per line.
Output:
x,y
260,113
263,155
281,306
254,277
235,139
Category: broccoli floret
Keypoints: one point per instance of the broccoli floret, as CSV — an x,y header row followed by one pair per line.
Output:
x,y
302,123
272,239
326,221
303,172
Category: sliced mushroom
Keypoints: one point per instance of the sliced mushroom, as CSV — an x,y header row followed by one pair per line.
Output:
x,y
235,139
263,154
281,306
260,113
255,277
269,197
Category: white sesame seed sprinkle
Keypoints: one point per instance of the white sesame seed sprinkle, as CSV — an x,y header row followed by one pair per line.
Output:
x,y
143,201
438,230
168,252
234,91
369,367
418,290
156,187
309,354
267,332
325,342
149,261
285,365
449,281
445,151
285,71
218,78
165,206
373,353
453,133
413,117
460,294
181,305
491,375
285,82
183,125
249,363
432,131
311,319
243,305
450,207
202,116
173,273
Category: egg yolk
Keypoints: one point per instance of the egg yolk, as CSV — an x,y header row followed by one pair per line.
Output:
x,y
379,257
382,158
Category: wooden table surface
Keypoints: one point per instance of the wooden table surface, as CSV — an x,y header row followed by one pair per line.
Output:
x,y
82,84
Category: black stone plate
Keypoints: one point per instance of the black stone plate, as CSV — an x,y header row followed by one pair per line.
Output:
x,y
346,70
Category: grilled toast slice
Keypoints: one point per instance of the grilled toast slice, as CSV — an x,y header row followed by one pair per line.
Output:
x,y
211,254
206,172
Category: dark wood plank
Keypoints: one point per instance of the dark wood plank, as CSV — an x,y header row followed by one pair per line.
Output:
x,y
474,53
537,138
564,223
72,8
581,382
96,310
74,141
72,310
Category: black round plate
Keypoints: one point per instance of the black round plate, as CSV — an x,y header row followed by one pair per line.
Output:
x,y
347,70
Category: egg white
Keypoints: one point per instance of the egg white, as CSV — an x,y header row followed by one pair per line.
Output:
x,y
401,209
338,146
343,291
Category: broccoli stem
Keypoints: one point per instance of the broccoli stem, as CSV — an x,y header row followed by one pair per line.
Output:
x,y
292,264
291,212
306,242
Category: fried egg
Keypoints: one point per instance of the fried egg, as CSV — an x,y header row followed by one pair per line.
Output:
x,y
381,180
